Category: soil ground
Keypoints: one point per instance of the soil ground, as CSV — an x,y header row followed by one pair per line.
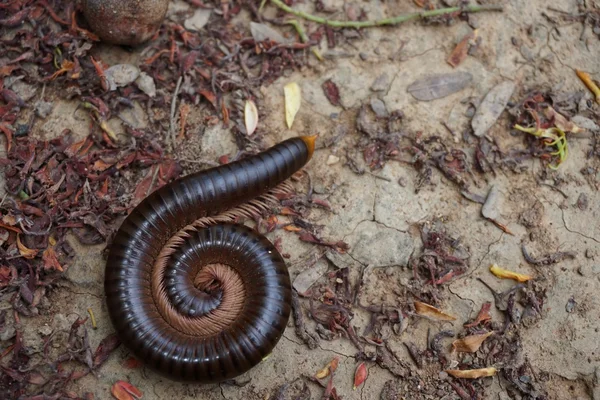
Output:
x,y
379,214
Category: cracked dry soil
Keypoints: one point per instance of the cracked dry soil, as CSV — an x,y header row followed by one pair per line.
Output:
x,y
379,213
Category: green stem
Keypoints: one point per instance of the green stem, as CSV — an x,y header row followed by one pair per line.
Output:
x,y
386,21
304,37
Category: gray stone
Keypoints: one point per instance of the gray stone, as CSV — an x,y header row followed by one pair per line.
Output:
x,y
382,83
121,75
197,21
491,107
262,32
146,84
379,108
308,277
374,244
585,123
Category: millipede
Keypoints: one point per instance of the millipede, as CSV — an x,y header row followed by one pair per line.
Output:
x,y
193,293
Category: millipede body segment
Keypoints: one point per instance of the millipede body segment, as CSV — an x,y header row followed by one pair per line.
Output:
x,y
193,295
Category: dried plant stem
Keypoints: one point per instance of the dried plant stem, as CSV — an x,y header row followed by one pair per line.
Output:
x,y
385,21
304,37
587,80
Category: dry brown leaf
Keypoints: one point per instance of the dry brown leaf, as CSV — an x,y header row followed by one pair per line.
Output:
x,y
51,260
250,117
470,344
561,122
506,274
430,311
25,252
472,373
328,369
459,54
293,98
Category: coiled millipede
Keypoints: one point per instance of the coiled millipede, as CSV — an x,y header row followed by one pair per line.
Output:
x,y
192,294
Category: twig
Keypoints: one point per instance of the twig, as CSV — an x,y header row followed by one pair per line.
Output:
x,y
304,37
385,21
173,108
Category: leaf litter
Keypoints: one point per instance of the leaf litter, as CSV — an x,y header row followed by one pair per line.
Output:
x,y
69,196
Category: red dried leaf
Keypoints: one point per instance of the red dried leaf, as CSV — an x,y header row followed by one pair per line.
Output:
x,y
210,96
16,19
106,346
483,316
122,390
9,135
51,261
6,70
360,375
459,54
132,363
331,92
101,165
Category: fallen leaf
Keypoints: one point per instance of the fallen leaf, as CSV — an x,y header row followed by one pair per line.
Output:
x,y
65,67
438,86
472,373
360,375
430,311
505,274
250,117
122,390
484,315
331,92
105,348
50,260
293,98
491,107
470,344
328,369
588,81
561,122
132,363
459,54
24,251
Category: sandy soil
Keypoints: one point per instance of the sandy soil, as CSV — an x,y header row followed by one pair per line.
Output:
x,y
379,214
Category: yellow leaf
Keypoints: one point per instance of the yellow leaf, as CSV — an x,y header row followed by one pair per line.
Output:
x,y
293,98
25,252
430,311
505,274
250,117
330,367
472,373
470,344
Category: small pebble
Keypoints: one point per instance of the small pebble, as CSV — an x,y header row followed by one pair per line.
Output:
x,y
379,108
363,56
45,330
332,159
146,84
381,83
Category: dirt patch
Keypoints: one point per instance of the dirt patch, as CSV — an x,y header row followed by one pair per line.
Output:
x,y
387,213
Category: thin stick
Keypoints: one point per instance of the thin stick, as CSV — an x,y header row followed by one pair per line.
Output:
x,y
386,21
304,37
173,108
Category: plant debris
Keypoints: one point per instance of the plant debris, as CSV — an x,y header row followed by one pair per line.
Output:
x,y
505,274
438,86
